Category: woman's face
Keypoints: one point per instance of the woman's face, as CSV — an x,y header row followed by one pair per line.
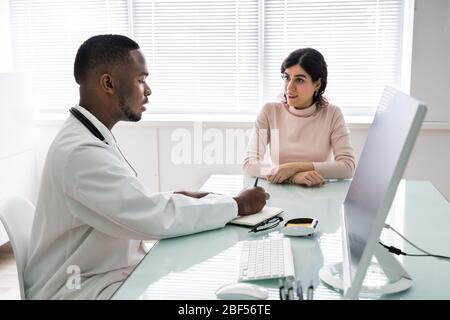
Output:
x,y
299,88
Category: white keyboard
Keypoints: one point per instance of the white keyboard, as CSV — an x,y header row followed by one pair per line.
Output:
x,y
266,259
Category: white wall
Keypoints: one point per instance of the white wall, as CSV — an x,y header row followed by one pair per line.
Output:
x,y
429,160
430,72
149,149
17,156
5,38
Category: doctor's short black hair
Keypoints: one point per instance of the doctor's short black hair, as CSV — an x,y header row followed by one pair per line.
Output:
x,y
106,49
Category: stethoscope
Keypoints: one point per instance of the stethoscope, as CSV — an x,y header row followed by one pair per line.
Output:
x,y
93,129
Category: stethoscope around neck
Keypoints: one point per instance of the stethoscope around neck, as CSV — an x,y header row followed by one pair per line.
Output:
x,y
93,129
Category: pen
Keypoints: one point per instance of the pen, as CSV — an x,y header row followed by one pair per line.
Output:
x,y
256,182
299,290
310,292
282,293
288,283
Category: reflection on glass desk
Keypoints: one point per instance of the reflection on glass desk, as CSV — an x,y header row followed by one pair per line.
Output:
x,y
195,266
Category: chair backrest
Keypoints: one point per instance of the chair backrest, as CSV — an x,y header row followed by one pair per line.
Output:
x,y
17,214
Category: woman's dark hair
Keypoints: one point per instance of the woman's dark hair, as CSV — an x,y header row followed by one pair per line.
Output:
x,y
314,64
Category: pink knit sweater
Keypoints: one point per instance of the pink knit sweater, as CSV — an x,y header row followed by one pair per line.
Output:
x,y
315,134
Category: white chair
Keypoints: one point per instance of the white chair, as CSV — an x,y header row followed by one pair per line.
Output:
x,y
17,214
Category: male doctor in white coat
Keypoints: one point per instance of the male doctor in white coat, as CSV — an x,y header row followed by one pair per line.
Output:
x,y
92,211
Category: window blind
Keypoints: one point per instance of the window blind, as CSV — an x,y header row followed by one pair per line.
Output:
x,y
360,40
211,56
46,37
202,55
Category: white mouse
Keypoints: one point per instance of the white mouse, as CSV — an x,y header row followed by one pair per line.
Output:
x,y
242,291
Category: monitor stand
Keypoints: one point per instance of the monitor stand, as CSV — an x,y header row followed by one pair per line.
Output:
x,y
399,279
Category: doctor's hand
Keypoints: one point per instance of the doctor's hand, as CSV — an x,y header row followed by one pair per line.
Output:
x,y
308,178
251,200
193,194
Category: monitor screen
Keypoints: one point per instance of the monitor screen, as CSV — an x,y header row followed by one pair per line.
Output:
x,y
381,165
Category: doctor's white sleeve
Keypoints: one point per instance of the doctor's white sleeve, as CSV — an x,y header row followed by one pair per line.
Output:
x,y
102,193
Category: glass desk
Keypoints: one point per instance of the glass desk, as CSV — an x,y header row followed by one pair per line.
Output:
x,y
193,267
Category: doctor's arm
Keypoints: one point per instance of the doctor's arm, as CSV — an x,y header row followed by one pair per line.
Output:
x,y
193,194
102,193
249,201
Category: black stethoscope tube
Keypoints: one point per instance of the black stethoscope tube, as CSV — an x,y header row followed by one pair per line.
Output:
x,y
93,129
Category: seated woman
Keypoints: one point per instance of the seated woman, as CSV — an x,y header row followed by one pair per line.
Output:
x,y
307,136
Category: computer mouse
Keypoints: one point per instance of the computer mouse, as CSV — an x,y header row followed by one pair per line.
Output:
x,y
242,291
300,227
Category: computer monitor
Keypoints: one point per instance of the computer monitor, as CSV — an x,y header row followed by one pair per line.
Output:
x,y
380,168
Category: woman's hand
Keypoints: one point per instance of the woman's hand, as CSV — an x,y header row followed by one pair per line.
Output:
x,y
282,173
285,171
308,178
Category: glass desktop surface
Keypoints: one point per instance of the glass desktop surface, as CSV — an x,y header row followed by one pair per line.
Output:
x,y
195,266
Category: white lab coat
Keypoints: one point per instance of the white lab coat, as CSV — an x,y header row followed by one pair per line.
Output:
x,y
92,213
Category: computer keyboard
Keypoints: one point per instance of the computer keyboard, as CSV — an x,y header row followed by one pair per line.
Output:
x,y
266,259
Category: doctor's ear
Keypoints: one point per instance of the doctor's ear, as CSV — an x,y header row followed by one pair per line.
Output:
x,y
106,83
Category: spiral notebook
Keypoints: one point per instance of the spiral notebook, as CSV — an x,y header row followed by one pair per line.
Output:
x,y
253,219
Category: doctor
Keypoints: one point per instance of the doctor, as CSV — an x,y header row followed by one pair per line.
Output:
x,y
92,212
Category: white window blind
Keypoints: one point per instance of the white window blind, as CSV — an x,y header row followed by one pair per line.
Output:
x,y
46,37
212,56
360,40
202,55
